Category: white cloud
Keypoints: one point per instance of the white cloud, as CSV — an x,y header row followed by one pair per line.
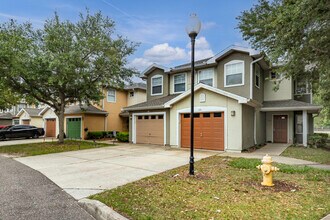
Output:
x,y
164,53
208,25
140,63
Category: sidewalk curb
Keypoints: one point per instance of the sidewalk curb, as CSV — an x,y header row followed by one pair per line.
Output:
x,y
326,217
99,210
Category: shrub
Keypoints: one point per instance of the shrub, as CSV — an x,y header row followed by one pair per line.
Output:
x,y
122,136
317,140
91,135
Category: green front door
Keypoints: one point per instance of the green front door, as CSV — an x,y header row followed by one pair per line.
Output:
x,y
73,126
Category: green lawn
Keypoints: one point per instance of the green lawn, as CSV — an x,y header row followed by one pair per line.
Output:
x,y
319,155
224,188
48,147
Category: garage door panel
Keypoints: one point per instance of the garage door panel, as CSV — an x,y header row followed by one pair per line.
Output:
x,y
150,129
208,132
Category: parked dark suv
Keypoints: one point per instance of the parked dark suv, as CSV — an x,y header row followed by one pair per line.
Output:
x,y
21,131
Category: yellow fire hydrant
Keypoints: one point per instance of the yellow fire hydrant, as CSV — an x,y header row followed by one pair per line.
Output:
x,y
267,170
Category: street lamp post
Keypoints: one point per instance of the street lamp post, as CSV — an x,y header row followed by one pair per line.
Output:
x,y
192,29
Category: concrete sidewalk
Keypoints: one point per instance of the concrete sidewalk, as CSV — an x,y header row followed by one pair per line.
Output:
x,y
278,159
25,141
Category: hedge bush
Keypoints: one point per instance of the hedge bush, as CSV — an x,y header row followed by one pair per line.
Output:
x,y
122,136
91,135
317,140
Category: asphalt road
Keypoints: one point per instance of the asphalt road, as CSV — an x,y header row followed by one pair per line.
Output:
x,y
27,194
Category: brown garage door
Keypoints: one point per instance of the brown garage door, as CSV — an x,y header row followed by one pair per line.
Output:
x,y
208,132
50,127
150,129
26,122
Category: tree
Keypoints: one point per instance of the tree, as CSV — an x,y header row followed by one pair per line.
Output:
x,y
8,98
296,35
64,62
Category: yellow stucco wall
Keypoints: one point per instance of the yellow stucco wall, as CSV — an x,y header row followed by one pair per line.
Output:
x,y
233,124
114,121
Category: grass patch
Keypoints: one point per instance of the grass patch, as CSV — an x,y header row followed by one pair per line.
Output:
x,y
318,155
33,149
221,189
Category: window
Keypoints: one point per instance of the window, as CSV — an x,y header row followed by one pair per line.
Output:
x,y
16,122
146,117
217,115
160,116
273,75
111,97
206,77
299,124
257,76
131,94
186,115
302,87
234,73
206,115
139,117
180,82
157,85
153,117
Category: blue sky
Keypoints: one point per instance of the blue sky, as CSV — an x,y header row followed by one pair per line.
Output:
x,y
158,25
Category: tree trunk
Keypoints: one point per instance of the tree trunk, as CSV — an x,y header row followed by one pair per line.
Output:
x,y
60,116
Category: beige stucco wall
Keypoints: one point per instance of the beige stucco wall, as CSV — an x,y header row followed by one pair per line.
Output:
x,y
114,121
34,121
247,126
139,96
284,92
233,135
165,84
260,127
269,125
50,114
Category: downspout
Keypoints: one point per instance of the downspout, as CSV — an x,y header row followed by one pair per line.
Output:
x,y
251,97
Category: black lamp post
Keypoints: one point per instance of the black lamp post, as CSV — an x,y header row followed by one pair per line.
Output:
x,y
193,28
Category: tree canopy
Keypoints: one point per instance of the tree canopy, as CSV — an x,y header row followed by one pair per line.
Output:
x,y
295,35
64,62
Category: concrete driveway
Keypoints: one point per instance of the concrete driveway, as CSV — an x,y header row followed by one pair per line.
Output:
x,y
87,172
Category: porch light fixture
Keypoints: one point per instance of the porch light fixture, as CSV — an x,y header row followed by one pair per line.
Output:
x,y
193,27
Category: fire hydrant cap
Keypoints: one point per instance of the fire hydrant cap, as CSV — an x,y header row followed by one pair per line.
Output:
x,y
267,159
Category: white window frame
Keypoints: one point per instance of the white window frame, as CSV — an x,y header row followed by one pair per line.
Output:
x,y
185,82
213,78
162,85
112,101
130,94
257,73
225,72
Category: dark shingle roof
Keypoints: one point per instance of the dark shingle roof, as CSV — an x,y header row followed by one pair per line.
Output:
x,y
33,112
136,86
8,116
188,65
286,103
78,109
152,104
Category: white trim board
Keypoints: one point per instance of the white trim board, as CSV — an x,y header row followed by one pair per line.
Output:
x,y
240,99
146,113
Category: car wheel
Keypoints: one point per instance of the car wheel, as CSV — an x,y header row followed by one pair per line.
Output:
x,y
2,138
35,136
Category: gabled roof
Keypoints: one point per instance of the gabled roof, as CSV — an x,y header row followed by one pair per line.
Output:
x,y
240,99
288,105
231,49
85,109
151,104
152,67
6,116
133,86
32,112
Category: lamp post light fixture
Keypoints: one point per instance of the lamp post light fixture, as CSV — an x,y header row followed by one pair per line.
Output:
x,y
193,27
